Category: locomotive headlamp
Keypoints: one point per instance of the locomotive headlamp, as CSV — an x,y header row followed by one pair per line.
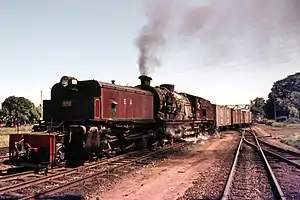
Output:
x,y
74,82
64,81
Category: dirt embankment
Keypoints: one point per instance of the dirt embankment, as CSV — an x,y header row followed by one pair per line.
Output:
x,y
285,135
179,176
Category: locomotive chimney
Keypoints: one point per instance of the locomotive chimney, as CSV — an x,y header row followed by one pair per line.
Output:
x,y
113,81
145,80
170,87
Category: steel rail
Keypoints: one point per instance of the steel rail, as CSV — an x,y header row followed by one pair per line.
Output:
x,y
276,187
81,180
229,181
296,164
278,191
19,186
273,146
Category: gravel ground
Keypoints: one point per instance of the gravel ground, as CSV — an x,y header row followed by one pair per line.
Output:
x,y
169,175
250,180
210,183
107,182
288,177
110,177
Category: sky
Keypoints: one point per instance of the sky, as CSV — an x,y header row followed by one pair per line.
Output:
x,y
235,53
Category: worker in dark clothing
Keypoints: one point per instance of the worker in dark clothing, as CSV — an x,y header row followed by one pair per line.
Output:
x,y
160,129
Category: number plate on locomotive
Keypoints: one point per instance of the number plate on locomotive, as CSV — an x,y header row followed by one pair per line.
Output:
x,y
66,104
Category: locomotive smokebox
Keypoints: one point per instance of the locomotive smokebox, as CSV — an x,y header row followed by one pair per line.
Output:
x,y
145,80
170,87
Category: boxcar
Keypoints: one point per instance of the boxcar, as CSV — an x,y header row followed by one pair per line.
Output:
x,y
242,117
250,118
239,116
228,119
222,116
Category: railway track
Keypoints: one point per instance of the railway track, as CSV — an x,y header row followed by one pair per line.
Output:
x,y
286,167
28,186
251,173
285,155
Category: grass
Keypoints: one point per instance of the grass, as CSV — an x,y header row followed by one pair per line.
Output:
x,y
10,130
279,124
4,141
292,140
5,131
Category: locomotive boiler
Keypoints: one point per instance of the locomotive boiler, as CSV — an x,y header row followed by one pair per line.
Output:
x,y
184,114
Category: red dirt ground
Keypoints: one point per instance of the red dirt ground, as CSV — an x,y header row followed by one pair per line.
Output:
x,y
169,179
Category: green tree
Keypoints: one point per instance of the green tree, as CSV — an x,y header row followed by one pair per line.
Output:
x,y
259,102
257,106
284,97
269,106
1,116
19,108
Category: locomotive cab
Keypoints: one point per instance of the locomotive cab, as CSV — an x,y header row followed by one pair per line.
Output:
x,y
68,97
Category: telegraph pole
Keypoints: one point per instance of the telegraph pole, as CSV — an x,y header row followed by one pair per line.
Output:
x,y
41,105
275,117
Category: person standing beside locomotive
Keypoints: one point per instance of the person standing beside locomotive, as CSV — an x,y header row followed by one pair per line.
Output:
x,y
160,129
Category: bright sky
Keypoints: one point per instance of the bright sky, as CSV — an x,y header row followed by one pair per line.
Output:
x,y
232,60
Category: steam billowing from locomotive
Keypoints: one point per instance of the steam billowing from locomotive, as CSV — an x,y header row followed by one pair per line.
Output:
x,y
152,36
226,33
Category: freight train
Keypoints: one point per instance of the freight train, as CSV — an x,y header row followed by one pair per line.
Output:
x,y
87,120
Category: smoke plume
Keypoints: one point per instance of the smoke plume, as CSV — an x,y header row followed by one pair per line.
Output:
x,y
152,37
222,32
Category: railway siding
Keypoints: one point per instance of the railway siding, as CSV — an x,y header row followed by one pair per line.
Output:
x,y
250,175
285,166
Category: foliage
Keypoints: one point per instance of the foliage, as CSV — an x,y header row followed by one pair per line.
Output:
x,y
286,93
257,106
19,108
1,116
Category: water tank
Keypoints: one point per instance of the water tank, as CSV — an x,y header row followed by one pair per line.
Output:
x,y
170,87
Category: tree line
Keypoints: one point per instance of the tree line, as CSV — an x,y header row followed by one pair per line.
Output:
x,y
283,100
19,110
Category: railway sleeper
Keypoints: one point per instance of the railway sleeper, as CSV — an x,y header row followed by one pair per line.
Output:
x,y
42,168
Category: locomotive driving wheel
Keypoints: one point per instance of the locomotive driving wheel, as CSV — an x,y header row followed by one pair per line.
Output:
x,y
60,157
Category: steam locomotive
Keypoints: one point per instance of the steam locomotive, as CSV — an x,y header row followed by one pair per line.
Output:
x,y
86,120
